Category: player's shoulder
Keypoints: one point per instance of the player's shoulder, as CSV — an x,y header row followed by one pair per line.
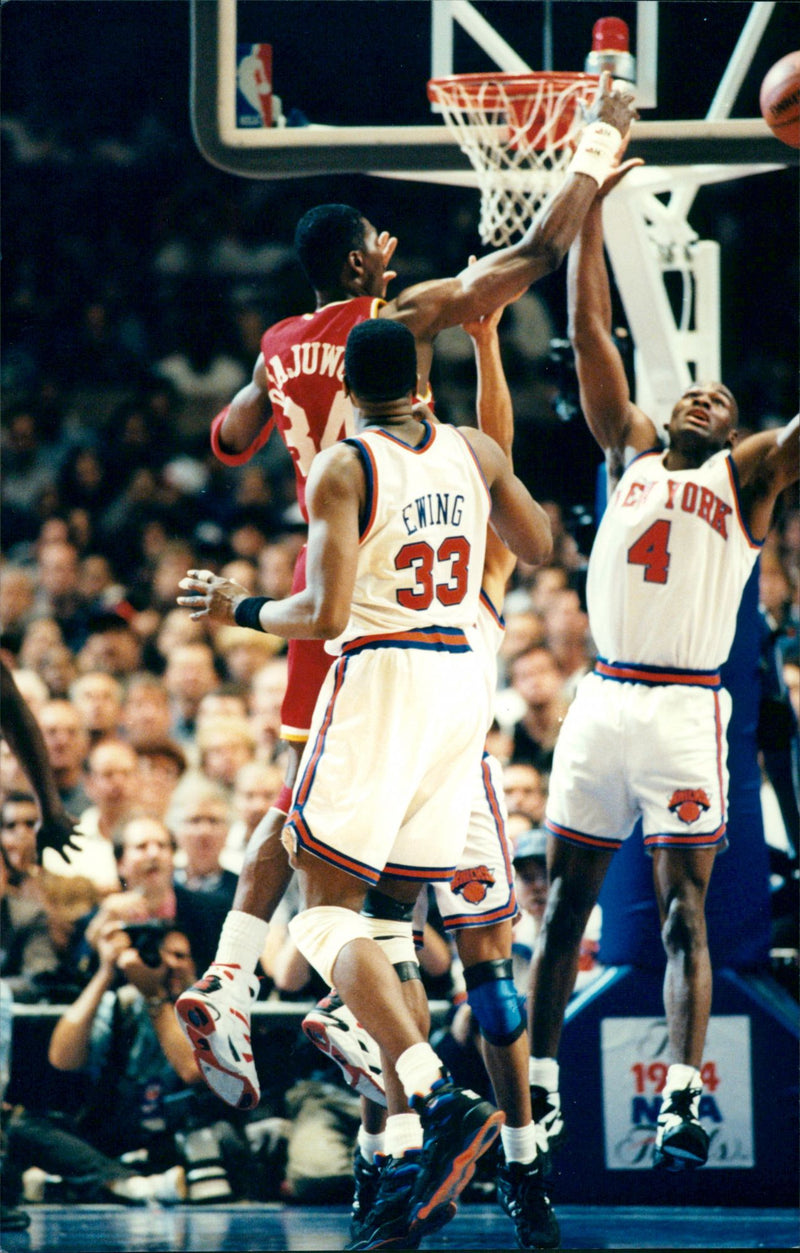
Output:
x,y
630,461
342,314
472,434
280,330
484,453
716,468
340,459
336,479
719,458
482,445
349,311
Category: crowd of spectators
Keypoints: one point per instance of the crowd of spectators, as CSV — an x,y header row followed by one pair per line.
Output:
x,y
163,732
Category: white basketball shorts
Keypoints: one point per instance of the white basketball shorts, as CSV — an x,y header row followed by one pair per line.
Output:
x,y
629,749
386,781
482,889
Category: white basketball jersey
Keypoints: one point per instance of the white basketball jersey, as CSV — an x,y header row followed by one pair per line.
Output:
x,y
421,553
669,565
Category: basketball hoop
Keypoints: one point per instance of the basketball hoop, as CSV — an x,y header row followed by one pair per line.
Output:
x,y
519,132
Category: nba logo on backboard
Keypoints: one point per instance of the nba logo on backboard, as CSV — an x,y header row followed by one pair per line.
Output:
x,y
254,85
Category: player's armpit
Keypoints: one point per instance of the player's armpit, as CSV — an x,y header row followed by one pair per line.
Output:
x,y
766,464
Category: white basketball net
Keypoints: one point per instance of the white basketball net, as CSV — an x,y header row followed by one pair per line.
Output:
x,y
519,133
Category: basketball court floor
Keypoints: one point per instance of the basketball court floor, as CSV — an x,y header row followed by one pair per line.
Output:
x,y
248,1226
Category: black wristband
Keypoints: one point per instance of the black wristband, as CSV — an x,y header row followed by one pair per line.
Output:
x,y
246,612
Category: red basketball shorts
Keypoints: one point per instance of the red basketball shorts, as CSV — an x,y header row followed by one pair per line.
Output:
x,y
308,665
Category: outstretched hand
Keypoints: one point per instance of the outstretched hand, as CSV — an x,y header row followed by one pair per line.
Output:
x,y
616,176
614,103
387,244
213,596
424,413
621,168
57,831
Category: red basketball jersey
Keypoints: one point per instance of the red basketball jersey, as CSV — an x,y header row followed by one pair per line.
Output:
x,y
304,359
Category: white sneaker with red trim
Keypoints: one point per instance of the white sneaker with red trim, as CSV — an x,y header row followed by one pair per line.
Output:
x,y
337,1033
215,1016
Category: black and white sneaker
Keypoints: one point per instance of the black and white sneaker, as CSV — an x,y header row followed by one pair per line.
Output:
x,y
521,1193
366,1178
387,1225
549,1122
681,1139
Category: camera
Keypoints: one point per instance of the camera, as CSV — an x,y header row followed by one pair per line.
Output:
x,y
147,938
202,1154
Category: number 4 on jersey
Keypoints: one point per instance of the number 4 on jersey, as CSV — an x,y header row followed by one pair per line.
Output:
x,y
651,551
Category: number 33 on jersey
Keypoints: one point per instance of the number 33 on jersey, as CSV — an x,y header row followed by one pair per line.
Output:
x,y
423,537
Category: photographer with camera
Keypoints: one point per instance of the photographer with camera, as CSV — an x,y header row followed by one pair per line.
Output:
x,y
149,1130
145,851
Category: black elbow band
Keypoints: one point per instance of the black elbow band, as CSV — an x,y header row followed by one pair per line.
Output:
x,y
246,613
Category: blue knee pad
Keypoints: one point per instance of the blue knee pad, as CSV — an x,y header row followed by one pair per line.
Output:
x,y
494,1001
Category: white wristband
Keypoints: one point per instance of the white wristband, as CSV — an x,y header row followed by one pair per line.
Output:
x,y
788,430
596,152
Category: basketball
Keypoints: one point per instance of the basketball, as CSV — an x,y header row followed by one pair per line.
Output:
x,y
780,99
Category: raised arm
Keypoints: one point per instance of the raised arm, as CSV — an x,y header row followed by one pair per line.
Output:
x,y
617,424
245,424
428,308
496,419
493,399
23,734
766,464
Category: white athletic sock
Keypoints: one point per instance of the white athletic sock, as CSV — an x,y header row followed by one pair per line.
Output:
x,y
543,1073
680,1077
169,1187
403,1132
134,1188
370,1143
519,1143
242,940
418,1068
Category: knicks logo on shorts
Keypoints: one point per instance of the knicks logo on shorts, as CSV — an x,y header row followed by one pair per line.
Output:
x,y
473,883
689,803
